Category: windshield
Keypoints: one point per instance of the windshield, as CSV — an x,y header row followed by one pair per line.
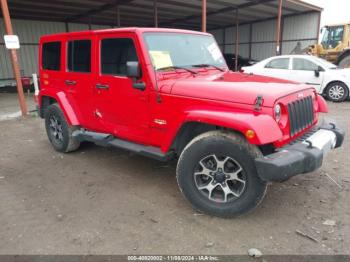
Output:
x,y
332,36
176,50
324,63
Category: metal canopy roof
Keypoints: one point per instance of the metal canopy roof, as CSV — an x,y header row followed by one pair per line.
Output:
x,y
171,13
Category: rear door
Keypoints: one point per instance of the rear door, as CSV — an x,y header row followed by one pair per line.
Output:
x,y
78,80
51,65
303,71
119,107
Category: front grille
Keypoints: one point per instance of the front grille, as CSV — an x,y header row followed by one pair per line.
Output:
x,y
301,114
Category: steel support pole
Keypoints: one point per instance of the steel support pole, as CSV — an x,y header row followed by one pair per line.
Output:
x,y
204,15
278,27
90,27
281,35
118,15
237,41
14,58
224,40
155,12
318,27
250,40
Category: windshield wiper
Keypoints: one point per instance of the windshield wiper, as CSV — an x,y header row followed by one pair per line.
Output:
x,y
178,67
208,65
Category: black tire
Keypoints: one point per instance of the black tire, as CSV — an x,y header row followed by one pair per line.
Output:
x,y
345,62
61,140
337,92
229,145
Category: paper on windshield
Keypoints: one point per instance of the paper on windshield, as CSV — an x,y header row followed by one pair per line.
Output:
x,y
214,51
161,59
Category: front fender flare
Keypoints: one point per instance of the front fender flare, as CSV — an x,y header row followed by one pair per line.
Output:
x,y
322,104
265,127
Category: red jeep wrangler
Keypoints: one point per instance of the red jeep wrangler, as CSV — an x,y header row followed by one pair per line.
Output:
x,y
167,93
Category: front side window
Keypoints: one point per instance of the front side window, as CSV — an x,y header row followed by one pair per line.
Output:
x,y
279,63
79,56
115,53
168,50
303,64
51,56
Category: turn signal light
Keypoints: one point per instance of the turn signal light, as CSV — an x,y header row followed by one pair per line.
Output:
x,y
249,134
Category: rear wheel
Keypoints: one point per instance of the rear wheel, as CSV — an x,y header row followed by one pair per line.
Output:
x,y
216,174
58,130
337,92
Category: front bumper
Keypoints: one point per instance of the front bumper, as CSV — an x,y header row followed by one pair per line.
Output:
x,y
303,156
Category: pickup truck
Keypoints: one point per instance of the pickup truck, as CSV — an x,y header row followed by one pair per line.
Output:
x,y
168,94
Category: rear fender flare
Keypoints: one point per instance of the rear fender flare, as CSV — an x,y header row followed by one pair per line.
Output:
x,y
65,105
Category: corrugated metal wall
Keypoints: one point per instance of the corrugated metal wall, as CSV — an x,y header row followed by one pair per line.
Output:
x,y
299,28
226,39
304,27
29,33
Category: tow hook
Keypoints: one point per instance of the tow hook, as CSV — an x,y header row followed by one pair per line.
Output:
x,y
309,143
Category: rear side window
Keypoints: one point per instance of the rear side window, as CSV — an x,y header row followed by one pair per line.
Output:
x,y
51,55
279,63
115,53
303,64
79,56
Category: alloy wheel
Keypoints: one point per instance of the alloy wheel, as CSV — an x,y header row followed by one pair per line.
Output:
x,y
220,178
336,92
56,129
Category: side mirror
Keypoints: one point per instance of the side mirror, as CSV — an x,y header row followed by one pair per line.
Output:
x,y
317,73
318,70
133,69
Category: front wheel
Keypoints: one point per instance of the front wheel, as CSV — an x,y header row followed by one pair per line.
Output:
x,y
337,92
216,173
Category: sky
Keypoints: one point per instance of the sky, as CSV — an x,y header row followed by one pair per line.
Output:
x,y
335,11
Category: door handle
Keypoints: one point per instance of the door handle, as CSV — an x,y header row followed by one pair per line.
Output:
x,y
70,82
101,86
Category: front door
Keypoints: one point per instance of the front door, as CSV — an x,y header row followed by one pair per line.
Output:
x,y
304,71
119,107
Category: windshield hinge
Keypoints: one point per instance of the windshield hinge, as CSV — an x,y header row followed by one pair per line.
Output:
x,y
258,102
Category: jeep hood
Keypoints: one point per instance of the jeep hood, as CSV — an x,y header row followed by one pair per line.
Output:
x,y
237,88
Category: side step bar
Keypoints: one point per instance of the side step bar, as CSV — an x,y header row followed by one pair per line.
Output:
x,y
103,139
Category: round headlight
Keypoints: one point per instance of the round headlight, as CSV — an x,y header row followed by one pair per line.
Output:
x,y
277,112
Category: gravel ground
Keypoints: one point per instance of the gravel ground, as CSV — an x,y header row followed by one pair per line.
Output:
x,y
9,105
108,201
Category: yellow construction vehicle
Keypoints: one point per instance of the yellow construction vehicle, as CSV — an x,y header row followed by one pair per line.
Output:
x,y
335,45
